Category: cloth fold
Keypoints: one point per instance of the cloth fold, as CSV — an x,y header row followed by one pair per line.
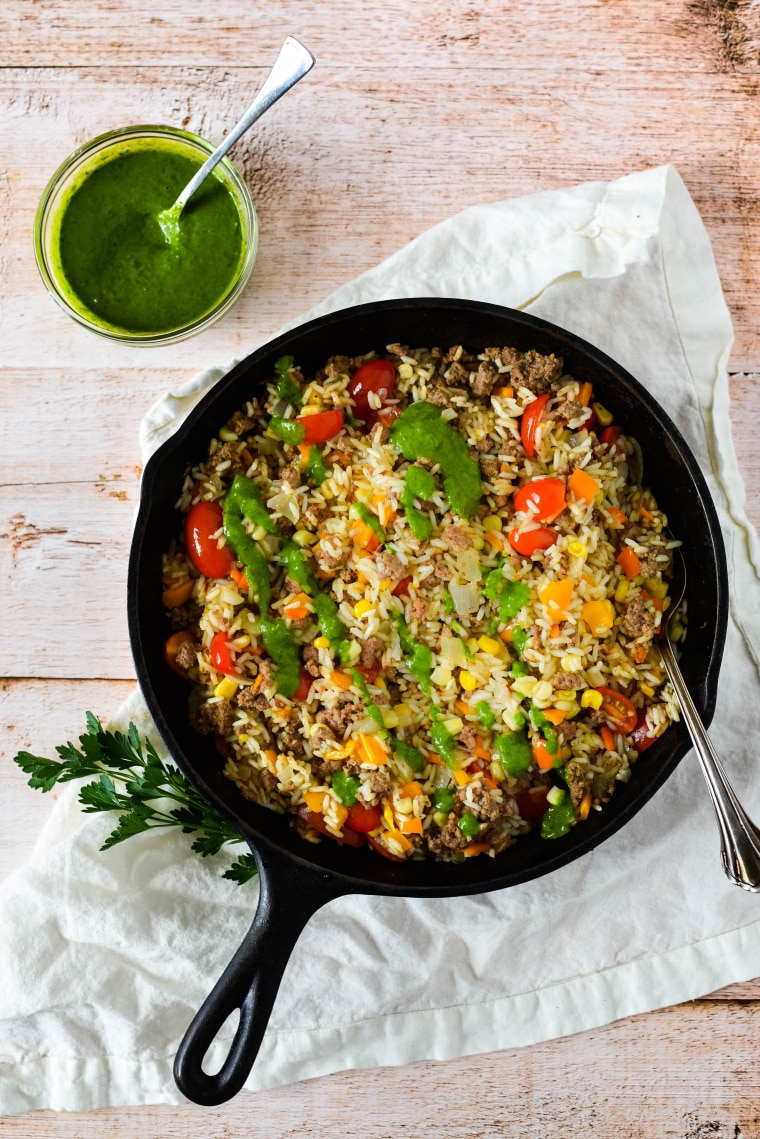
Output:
x,y
106,956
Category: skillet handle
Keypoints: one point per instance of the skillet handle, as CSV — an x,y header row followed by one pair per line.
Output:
x,y
289,895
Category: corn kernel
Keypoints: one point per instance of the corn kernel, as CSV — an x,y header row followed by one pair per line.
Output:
x,y
321,643
404,806
440,676
492,522
243,738
440,818
259,533
571,708
622,590
591,699
577,549
602,414
571,663
362,607
226,688
227,435
390,719
497,771
472,644
477,542
488,645
403,715
565,693
304,538
388,815
453,725
542,694
524,685
405,371
468,681
646,690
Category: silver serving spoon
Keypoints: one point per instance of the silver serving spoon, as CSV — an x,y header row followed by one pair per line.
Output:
x,y
739,837
293,62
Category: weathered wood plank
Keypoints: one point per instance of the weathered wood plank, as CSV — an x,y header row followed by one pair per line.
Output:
x,y
682,1073
333,149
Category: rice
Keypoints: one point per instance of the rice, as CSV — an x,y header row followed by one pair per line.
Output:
x,y
494,669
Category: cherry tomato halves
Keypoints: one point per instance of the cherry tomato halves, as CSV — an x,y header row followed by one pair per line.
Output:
x,y
543,499
362,818
378,376
531,418
221,655
526,542
321,426
641,737
201,521
618,710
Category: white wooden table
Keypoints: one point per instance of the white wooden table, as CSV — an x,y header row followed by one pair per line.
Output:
x,y
412,113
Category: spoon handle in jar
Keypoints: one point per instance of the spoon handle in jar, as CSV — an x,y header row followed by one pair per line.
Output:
x,y
739,837
293,62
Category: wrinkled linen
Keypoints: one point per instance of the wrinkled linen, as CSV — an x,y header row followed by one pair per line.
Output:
x,y
105,957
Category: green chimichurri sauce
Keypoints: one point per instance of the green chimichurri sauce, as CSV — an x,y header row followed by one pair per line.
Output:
x,y
421,432
113,255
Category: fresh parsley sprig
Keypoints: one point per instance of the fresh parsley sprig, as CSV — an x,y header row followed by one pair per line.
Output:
x,y
133,779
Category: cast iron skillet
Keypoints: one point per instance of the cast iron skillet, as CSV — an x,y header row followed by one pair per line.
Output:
x,y
296,877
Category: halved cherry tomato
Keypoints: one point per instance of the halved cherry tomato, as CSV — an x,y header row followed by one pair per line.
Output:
x,y
618,710
221,656
222,748
378,376
610,435
171,648
202,520
532,804
385,415
590,423
531,418
321,426
370,673
378,846
543,499
641,736
528,541
302,692
362,818
402,588
316,820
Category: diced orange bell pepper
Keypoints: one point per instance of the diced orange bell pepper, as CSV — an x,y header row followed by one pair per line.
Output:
x,y
584,487
556,596
372,749
542,755
599,616
629,561
177,595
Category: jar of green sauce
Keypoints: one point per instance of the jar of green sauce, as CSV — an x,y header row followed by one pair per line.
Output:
x,y
101,251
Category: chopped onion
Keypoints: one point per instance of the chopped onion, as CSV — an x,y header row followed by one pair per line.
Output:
x,y
466,598
452,651
468,565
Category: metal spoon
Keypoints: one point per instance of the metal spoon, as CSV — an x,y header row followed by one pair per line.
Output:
x,y
293,62
739,837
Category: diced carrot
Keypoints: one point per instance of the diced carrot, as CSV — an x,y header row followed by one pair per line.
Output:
x,y
365,537
639,653
258,682
361,577
556,596
247,457
239,578
629,562
461,777
481,752
296,612
411,789
476,848
177,594
584,394
503,391
489,780
314,800
305,449
372,749
617,515
341,680
495,539
656,601
646,514
542,755
385,511
607,738
462,708
270,758
585,806
554,715
555,630
583,486
506,633
412,826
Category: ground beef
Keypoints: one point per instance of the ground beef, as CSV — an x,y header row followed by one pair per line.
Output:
x,y
566,731
291,739
650,566
372,651
240,423
438,396
230,451
268,781
185,616
485,378
291,475
396,351
442,570
490,467
637,620
631,531
337,719
576,775
505,356
468,737
322,768
337,365
536,372
213,719
568,409
314,516
266,672
568,680
311,660
484,806
187,655
458,375
292,585
455,538
253,701
379,783
328,562
448,839
391,567
419,609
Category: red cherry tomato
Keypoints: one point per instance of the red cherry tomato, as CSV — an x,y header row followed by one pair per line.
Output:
x,y
378,846
533,804
402,589
316,820
542,499
202,520
378,376
222,748
321,426
610,435
528,541
221,655
618,710
640,736
590,423
531,418
370,674
171,648
385,415
302,692
362,818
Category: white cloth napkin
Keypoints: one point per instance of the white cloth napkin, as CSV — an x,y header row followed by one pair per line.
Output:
x,y
105,957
